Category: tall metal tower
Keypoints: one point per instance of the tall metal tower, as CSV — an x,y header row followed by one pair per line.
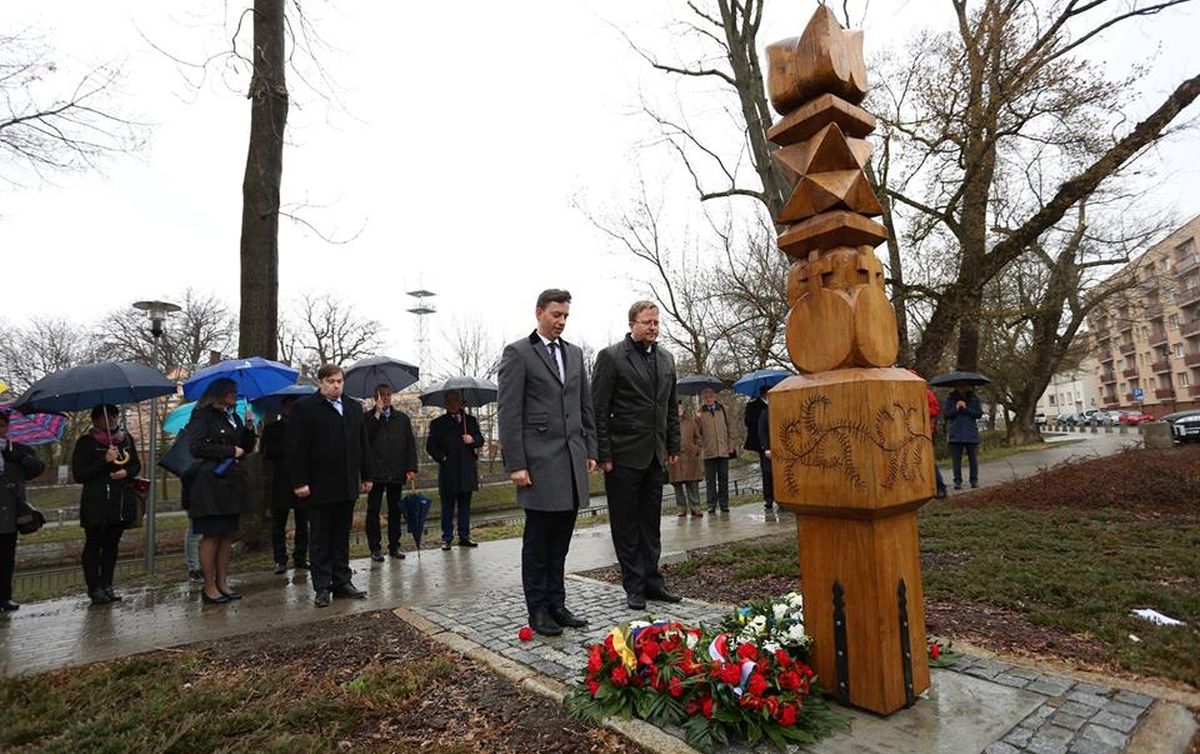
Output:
x,y
423,307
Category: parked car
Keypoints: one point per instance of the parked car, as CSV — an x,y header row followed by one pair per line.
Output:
x,y
1108,418
1068,419
1039,419
1185,425
1135,418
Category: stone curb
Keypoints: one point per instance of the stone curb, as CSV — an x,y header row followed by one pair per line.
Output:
x,y
639,732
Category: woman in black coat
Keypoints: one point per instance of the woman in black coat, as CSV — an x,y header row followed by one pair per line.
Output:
x,y
218,493
106,463
18,464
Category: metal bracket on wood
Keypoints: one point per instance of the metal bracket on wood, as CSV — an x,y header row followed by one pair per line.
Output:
x,y
905,645
842,661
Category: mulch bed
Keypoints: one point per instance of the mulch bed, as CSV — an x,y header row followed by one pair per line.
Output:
x,y
467,708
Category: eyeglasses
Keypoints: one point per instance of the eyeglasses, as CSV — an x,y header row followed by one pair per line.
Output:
x,y
646,322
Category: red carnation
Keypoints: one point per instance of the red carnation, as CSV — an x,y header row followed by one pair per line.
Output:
x,y
787,715
593,687
651,649
783,658
731,674
805,670
706,706
675,686
747,652
619,677
594,664
525,633
757,684
935,651
789,680
772,705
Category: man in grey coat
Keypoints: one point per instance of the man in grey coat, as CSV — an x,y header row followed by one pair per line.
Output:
x,y
549,442
637,426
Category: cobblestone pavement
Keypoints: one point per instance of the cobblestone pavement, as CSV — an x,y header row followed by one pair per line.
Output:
x,y
1072,717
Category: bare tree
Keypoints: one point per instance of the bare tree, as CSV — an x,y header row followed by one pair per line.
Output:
x,y
474,352
203,324
329,331
44,345
976,109
48,125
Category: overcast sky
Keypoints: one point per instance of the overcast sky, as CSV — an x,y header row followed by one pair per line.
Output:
x,y
467,133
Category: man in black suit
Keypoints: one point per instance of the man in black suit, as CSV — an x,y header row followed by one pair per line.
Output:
x,y
754,411
327,460
453,439
637,424
549,442
392,456
283,499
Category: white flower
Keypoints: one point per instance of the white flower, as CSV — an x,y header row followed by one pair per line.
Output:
x,y
770,646
781,610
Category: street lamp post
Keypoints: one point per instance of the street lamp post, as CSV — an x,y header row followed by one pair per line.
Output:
x,y
157,311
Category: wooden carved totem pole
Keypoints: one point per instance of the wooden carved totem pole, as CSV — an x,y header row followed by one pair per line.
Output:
x,y
850,436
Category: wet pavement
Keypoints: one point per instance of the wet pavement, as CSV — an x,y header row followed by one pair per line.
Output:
x,y
68,631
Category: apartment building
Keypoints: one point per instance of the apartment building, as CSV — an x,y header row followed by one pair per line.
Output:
x,y
1147,335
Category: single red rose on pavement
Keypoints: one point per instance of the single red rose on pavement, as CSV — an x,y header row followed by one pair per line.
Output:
x,y
525,633
747,652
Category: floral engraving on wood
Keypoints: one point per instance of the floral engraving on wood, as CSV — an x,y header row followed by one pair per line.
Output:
x,y
813,440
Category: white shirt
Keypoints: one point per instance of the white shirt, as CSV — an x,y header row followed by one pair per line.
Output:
x,y
558,357
337,404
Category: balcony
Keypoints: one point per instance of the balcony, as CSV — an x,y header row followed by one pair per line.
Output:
x,y
1129,372
1158,335
1108,378
1188,296
1154,309
1186,264
1161,366
1165,393
1190,328
1111,403
1192,358
1193,390
1125,325
1128,348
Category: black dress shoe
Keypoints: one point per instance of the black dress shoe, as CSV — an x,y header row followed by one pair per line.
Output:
x,y
662,595
280,568
467,543
322,599
395,553
8,606
635,601
112,596
213,600
541,622
301,565
99,597
377,557
231,596
446,546
350,591
565,618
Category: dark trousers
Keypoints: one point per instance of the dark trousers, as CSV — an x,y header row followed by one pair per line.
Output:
x,y
8,564
956,454
459,502
716,483
544,556
395,491
329,545
941,483
768,478
634,517
279,517
99,556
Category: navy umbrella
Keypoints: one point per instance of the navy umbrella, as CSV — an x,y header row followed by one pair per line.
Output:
x,y
953,378
416,510
697,384
752,384
87,385
272,403
365,375
474,391
255,377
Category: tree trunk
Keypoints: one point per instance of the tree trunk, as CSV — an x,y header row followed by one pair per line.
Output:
x,y
259,320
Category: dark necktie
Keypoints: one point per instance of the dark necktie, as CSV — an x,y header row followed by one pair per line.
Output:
x,y
554,356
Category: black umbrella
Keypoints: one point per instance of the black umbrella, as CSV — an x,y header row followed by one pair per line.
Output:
x,y
474,391
82,387
416,510
365,375
953,378
697,384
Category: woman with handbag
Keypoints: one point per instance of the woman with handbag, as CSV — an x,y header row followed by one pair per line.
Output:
x,y
106,463
18,465
218,491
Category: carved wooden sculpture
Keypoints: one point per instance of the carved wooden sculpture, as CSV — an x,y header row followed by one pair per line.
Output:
x,y
850,437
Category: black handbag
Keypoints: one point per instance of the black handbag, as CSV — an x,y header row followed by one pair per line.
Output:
x,y
29,519
179,459
133,502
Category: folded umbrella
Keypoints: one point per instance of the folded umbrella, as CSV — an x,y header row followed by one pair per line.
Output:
x,y
87,385
752,384
255,377
953,378
475,392
272,403
33,429
365,375
416,509
697,384
178,418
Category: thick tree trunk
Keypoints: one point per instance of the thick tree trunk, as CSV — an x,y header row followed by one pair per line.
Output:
x,y
258,335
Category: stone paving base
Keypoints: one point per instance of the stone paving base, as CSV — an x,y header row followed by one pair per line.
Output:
x,y
1018,710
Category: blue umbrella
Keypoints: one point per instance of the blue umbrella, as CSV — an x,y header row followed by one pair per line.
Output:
x,y
753,383
255,377
178,419
87,385
416,510
272,403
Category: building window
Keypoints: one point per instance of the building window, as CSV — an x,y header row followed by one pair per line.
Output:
x,y
1174,321
1051,400
1179,350
1184,380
